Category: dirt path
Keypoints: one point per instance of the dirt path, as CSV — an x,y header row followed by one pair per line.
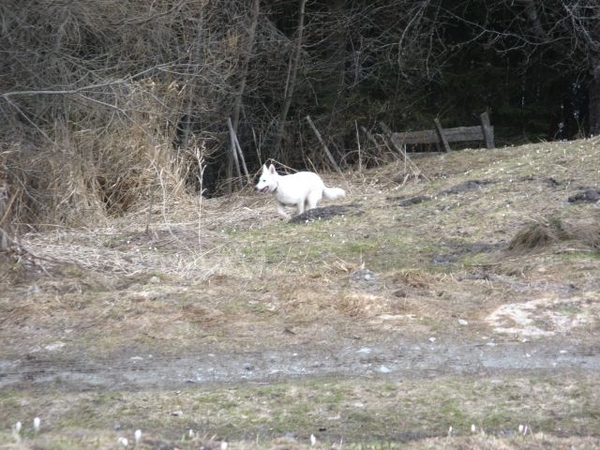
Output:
x,y
401,359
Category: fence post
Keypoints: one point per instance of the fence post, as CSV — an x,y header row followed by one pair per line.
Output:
x,y
488,132
440,132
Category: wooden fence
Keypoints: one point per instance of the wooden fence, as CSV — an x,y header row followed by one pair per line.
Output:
x,y
444,136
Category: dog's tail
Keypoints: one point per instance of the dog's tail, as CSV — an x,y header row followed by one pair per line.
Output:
x,y
333,193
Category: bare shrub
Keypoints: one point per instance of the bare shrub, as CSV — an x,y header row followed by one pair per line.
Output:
x,y
5,220
585,230
97,165
92,96
535,235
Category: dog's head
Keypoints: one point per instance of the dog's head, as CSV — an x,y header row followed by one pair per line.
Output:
x,y
267,181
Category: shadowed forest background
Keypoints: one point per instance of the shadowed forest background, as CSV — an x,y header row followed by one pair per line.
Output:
x,y
108,105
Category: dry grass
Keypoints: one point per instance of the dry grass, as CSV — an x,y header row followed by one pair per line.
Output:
x,y
530,441
536,235
584,231
340,413
190,277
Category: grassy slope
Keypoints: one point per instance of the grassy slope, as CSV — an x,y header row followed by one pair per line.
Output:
x,y
228,276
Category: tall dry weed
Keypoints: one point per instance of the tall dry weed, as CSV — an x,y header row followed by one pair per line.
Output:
x,y
97,166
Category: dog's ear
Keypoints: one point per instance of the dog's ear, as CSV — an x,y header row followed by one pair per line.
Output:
x,y
272,169
265,168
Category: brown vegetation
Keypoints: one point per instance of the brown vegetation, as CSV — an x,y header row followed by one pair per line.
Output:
x,y
584,231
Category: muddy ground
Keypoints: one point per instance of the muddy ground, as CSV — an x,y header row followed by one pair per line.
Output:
x,y
457,307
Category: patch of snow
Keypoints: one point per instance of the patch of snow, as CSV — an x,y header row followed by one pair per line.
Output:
x,y
539,317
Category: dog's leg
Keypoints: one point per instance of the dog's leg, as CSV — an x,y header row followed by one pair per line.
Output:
x,y
313,199
281,211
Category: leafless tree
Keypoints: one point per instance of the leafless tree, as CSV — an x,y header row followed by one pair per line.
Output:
x,y
562,34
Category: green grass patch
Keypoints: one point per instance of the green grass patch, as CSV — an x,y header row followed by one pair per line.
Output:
x,y
331,409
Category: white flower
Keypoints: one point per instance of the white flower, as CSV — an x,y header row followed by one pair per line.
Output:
x,y
223,445
138,436
123,441
36,424
313,440
17,431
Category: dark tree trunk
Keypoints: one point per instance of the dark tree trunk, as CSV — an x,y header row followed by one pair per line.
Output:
x,y
594,100
291,82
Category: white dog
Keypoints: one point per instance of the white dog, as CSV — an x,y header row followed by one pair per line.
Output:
x,y
302,190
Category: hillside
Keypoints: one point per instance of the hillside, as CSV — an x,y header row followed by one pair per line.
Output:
x,y
454,309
